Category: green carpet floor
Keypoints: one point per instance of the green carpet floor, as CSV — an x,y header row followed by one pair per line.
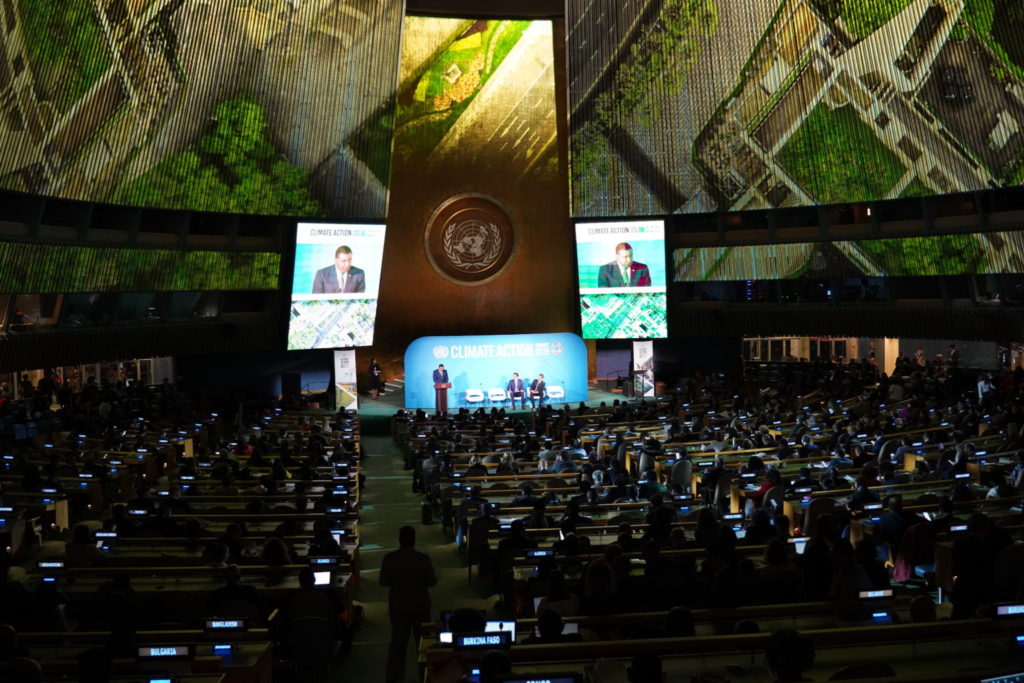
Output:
x,y
388,503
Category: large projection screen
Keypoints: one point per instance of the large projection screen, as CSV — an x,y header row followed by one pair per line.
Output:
x,y
680,106
277,107
335,285
621,269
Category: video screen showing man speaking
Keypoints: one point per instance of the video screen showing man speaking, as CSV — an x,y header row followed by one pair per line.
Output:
x,y
622,279
334,288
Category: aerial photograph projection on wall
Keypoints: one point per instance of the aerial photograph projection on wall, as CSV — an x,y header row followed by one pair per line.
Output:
x,y
703,105
621,270
989,253
273,107
335,285
479,93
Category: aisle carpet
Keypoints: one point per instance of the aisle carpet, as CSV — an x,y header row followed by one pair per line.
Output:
x,y
388,503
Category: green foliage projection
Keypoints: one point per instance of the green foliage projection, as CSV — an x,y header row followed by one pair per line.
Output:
x,y
434,103
1007,29
234,168
932,255
980,14
657,63
862,17
915,188
65,269
372,142
837,158
66,48
963,254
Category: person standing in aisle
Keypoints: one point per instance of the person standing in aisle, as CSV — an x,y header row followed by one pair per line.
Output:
x,y
409,574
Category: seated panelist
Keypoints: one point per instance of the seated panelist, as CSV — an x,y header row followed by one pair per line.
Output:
x,y
516,390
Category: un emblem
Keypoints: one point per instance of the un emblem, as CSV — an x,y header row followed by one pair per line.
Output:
x,y
469,239
440,352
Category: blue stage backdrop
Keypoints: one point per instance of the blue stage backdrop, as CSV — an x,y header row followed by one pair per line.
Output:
x,y
482,363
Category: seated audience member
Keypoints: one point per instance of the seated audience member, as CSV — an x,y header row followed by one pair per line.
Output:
x,y
216,555
234,598
625,538
559,598
709,478
538,519
549,629
564,463
974,559
726,588
755,499
82,550
312,601
600,594
526,498
778,580
862,494
805,480
493,665
645,668
607,671
21,670
324,545
922,610
945,517
848,577
871,557
277,554
895,521
467,620
817,563
760,529
788,655
650,486
232,538
10,646
746,627
707,527
95,665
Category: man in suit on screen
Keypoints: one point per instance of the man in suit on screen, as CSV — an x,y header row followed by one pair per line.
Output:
x,y
624,271
516,390
340,278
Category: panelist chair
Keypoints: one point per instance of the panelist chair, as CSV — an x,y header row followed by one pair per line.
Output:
x,y
474,396
556,392
497,396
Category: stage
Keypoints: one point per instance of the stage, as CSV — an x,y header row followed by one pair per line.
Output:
x,y
393,399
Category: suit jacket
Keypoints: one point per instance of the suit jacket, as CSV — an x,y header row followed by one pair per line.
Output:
x,y
609,275
409,574
539,387
326,281
440,376
515,387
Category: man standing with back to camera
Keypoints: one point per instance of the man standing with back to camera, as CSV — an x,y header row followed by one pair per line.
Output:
x,y
340,278
409,575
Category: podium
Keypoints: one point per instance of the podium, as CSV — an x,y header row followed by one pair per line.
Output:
x,y
441,396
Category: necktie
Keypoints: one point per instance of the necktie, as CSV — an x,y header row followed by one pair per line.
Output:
x,y
344,281
625,276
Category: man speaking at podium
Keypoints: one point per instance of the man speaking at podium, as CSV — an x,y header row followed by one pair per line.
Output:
x,y
515,389
441,387
624,271
342,277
